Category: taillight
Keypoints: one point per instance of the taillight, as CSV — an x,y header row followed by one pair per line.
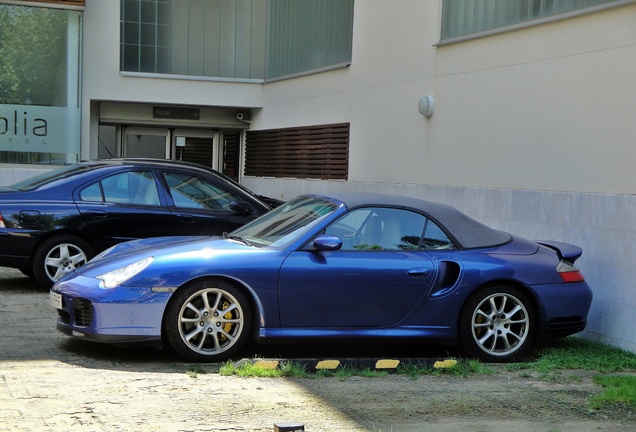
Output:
x,y
569,273
1,222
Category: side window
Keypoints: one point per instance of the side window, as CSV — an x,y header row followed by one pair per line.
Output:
x,y
435,239
194,192
92,193
382,229
132,188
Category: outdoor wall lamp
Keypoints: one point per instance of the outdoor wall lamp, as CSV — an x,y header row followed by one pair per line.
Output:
x,y
426,106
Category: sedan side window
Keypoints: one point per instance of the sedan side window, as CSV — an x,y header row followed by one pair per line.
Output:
x,y
132,188
194,192
373,229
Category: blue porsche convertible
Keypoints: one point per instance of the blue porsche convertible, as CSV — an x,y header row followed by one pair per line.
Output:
x,y
349,266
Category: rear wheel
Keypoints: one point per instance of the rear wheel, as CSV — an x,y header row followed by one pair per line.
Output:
x,y
207,321
497,325
58,256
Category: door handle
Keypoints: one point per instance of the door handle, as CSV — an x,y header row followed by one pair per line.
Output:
x,y
98,214
419,272
186,218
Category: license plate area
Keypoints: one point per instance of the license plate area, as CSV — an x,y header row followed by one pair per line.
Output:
x,y
55,299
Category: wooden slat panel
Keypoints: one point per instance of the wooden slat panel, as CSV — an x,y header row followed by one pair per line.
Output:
x,y
320,152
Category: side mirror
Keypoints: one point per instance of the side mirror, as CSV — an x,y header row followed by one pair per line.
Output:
x,y
327,243
240,207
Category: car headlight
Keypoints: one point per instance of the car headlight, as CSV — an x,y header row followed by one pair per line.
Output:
x,y
117,277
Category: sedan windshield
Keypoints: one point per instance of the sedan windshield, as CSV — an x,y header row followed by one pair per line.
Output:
x,y
286,223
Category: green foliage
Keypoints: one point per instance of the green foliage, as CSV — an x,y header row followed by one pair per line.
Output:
x,y
33,53
194,371
577,353
616,389
249,369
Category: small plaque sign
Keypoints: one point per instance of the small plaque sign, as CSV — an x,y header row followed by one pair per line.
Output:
x,y
175,113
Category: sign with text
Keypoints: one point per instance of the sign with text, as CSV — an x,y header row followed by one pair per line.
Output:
x,y
175,113
40,129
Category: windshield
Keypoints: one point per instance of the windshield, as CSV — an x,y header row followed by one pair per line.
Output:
x,y
286,223
49,176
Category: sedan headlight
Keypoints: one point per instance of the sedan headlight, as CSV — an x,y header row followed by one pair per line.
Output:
x,y
121,275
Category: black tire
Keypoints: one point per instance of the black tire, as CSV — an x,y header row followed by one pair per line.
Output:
x,y
58,256
207,321
497,325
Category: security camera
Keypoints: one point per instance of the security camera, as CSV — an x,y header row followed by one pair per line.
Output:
x,y
239,116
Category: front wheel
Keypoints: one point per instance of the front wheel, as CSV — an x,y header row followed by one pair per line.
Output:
x,y
497,325
207,322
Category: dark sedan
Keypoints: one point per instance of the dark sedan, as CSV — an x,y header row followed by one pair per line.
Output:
x,y
55,222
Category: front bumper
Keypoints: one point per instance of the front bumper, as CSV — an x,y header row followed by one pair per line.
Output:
x,y
115,315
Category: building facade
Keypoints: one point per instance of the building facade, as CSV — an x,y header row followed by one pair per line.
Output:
x,y
519,112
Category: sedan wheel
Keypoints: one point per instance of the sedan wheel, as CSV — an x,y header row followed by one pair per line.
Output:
x,y
207,322
497,325
58,256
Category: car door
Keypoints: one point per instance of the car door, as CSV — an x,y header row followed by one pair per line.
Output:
x,y
124,206
202,206
374,280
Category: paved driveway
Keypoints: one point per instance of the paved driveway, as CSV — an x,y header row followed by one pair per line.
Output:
x,y
50,382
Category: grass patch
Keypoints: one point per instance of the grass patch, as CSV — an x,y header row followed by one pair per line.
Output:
x,y
248,369
577,353
194,371
616,389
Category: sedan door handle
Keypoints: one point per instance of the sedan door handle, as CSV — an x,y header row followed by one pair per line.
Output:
x,y
419,272
186,218
98,214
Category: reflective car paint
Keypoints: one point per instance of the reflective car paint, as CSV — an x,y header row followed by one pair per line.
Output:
x,y
36,210
301,293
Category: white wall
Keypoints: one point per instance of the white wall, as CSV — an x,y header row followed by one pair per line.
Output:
x,y
544,108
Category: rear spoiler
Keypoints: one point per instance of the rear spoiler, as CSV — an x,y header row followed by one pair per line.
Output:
x,y
565,251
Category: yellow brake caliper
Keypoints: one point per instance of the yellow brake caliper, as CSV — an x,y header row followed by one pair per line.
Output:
x,y
227,326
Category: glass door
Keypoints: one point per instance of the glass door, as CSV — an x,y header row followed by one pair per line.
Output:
x,y
146,143
196,146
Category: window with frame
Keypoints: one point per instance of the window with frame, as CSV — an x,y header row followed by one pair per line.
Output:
x,y
237,39
462,18
388,229
40,82
196,193
131,188
379,229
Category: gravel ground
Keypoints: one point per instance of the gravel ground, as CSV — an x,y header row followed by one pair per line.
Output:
x,y
50,382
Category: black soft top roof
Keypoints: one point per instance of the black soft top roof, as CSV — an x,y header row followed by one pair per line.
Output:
x,y
465,231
